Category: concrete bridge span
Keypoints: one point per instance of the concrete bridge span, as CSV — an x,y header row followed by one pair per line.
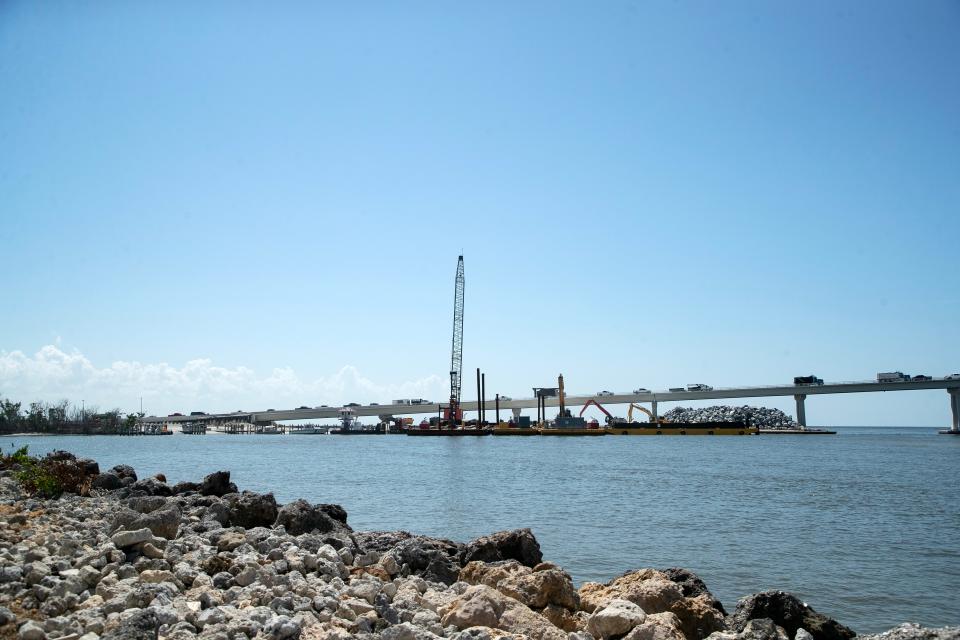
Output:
x,y
800,394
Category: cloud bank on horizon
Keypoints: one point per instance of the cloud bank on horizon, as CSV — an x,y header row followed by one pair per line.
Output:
x,y
52,374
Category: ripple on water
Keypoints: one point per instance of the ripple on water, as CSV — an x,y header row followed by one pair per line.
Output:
x,y
858,525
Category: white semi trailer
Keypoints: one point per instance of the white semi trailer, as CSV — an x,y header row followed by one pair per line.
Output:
x,y
892,376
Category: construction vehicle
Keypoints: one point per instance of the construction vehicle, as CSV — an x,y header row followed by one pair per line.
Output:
x,y
565,419
653,418
453,414
610,418
565,423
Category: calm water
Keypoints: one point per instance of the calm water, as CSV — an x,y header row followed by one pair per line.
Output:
x,y
864,525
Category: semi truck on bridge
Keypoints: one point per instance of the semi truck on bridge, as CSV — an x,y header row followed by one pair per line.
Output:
x,y
893,376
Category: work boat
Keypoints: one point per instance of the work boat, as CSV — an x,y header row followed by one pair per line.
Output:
x,y
349,426
426,429
309,430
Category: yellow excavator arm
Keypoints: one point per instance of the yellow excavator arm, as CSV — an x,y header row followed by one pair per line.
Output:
x,y
645,410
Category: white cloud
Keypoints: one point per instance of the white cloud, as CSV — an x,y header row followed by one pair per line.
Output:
x,y
52,374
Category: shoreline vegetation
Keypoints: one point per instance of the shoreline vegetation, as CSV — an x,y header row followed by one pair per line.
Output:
x,y
87,554
62,418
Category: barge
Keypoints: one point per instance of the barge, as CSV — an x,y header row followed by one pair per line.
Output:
x,y
505,430
449,431
567,425
682,429
377,431
570,431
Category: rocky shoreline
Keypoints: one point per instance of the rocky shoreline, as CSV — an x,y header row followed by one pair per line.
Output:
x,y
128,558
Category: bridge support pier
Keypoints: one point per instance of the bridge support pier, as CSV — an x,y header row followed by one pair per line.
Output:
x,y
801,409
653,406
955,408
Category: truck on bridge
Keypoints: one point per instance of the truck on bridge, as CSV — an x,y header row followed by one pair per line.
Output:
x,y
893,376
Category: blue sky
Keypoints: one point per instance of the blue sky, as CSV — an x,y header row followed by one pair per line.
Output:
x,y
206,205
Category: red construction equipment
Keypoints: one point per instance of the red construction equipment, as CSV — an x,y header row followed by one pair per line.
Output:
x,y
593,402
610,419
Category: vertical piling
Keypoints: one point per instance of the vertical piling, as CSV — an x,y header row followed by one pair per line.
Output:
x,y
483,399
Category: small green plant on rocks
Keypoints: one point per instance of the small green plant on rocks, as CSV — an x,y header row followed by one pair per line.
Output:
x,y
18,457
38,480
43,477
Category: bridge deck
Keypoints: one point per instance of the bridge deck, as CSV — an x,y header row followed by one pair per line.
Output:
x,y
576,400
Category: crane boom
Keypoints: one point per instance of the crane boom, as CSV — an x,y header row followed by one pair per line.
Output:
x,y
456,356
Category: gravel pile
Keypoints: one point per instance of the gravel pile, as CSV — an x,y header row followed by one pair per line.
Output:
x,y
762,417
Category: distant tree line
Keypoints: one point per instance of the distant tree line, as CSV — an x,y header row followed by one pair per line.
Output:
x,y
61,417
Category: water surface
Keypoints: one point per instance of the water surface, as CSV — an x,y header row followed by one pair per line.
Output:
x,y
865,525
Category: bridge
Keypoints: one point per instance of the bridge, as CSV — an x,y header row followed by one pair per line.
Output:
x,y
654,398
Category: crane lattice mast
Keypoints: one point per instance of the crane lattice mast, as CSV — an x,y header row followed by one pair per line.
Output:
x,y
456,357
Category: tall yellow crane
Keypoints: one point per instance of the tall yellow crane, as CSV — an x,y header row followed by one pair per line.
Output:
x,y
560,393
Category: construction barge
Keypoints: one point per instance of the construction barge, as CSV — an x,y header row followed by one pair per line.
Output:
x,y
631,429
567,425
682,429
450,431
506,430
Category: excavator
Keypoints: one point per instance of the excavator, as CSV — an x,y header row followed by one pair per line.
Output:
x,y
645,410
610,419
